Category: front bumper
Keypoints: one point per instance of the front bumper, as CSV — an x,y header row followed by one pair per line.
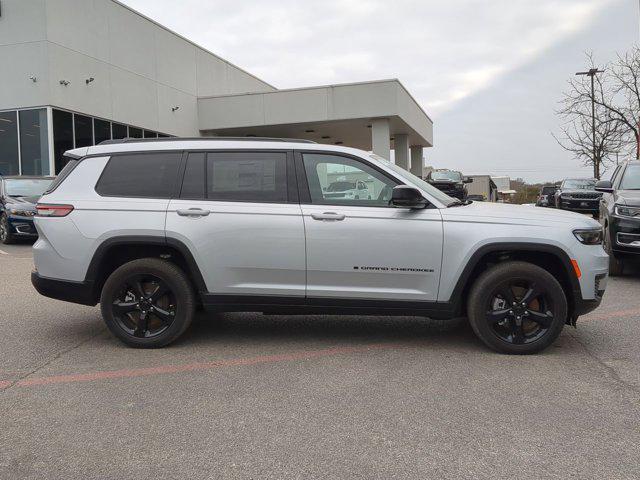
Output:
x,y
580,205
75,292
22,226
625,235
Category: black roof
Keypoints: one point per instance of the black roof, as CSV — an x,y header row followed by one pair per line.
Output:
x,y
209,139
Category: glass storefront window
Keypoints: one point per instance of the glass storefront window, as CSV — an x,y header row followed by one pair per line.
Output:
x,y
135,132
62,137
102,130
150,134
34,145
9,164
120,131
84,130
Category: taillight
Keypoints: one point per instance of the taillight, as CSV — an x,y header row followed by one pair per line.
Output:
x,y
47,210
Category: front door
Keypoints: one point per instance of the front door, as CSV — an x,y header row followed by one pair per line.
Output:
x,y
239,215
358,246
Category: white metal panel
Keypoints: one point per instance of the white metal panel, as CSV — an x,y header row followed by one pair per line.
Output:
x,y
134,99
184,121
375,253
175,61
244,248
19,62
22,21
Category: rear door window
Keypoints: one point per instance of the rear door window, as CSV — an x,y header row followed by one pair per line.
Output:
x,y
144,175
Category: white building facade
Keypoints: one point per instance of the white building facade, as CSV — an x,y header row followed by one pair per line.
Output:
x,y
78,72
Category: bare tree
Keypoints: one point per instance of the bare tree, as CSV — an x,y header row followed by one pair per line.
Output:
x,y
577,129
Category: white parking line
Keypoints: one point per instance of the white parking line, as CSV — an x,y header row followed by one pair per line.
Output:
x,y
2,252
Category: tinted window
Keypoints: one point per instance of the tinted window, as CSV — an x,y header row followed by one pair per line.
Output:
x,y
135,132
34,142
194,175
62,137
631,179
149,175
333,180
120,131
9,144
102,130
84,130
150,134
247,176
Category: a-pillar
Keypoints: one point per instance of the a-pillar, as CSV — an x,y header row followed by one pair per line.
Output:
x,y
417,163
381,137
401,148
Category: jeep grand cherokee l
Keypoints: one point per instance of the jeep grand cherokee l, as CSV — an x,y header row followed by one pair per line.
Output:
x,y
152,229
620,215
578,195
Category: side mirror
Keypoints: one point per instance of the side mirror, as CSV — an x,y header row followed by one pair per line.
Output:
x,y
467,180
604,186
404,196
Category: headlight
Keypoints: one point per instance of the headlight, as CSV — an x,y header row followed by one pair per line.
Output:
x,y
591,236
21,213
624,211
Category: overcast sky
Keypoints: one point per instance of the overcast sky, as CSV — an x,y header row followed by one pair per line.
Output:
x,y
488,72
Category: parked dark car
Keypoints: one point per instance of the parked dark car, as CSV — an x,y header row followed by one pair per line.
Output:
x,y
546,196
620,215
18,198
578,195
450,182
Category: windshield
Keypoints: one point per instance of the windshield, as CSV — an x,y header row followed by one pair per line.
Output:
x,y
631,179
26,187
579,184
341,186
446,175
418,182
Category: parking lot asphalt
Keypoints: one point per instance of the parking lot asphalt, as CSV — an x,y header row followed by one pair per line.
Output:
x,y
253,396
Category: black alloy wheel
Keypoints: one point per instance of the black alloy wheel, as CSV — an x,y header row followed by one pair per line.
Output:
x,y
148,302
145,306
517,307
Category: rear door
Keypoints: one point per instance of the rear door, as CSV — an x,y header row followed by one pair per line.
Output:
x,y
238,213
362,247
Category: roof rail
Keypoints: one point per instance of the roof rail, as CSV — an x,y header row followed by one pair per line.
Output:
x,y
190,139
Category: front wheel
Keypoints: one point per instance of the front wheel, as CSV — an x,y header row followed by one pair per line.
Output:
x,y
6,237
517,308
147,303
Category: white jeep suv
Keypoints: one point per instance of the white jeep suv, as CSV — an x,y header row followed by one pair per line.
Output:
x,y
152,229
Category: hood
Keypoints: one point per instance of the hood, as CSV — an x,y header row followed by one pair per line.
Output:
x,y
628,197
23,202
578,190
518,215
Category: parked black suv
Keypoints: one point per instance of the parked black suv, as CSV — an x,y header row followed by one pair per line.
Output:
x,y
18,198
620,215
450,182
578,195
546,196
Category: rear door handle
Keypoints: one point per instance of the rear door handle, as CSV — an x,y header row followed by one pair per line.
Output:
x,y
328,216
193,212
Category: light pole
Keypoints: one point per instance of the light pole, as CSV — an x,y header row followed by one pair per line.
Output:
x,y
596,164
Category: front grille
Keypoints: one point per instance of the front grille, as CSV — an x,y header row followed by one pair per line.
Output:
x,y
584,196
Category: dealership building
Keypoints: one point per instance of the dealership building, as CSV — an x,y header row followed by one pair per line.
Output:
x,y
78,72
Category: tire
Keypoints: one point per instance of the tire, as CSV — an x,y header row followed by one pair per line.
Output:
x,y
156,288
6,237
527,326
616,265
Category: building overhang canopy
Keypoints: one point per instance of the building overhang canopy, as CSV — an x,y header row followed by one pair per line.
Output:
x,y
333,114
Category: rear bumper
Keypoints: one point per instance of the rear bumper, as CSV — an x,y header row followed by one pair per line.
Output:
x,y
75,292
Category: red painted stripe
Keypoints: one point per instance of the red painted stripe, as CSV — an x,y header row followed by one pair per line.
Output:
x,y
166,369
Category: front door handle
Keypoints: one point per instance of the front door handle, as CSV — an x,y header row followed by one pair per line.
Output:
x,y
193,212
328,216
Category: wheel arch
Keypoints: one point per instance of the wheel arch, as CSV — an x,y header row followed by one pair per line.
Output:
x,y
119,250
549,257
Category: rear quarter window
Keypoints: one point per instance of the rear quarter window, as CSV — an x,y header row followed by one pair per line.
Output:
x,y
142,175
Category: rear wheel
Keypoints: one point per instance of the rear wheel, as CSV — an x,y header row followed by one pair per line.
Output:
x,y
147,303
517,308
6,236
616,266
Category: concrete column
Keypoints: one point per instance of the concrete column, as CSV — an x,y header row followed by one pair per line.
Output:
x,y
417,162
401,148
381,137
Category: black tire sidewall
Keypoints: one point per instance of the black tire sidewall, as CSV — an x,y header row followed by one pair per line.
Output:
x,y
9,239
616,267
482,291
175,279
